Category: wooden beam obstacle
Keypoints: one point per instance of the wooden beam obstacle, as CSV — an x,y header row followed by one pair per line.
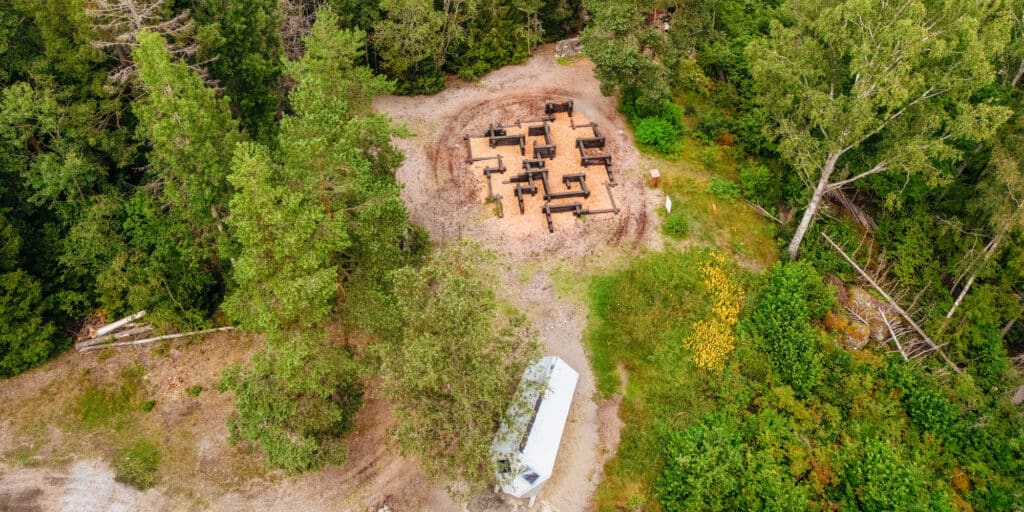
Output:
x,y
522,189
553,108
544,151
509,140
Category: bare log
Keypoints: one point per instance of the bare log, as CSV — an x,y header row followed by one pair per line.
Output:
x,y
990,249
855,210
763,212
111,327
1007,327
910,321
895,339
115,336
157,338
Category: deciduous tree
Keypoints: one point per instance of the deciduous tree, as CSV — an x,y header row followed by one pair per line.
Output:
x,y
857,87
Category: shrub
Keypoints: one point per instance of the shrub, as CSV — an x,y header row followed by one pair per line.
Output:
x,y
137,465
711,122
658,134
297,402
724,189
929,410
715,466
780,323
877,477
676,224
194,390
759,184
712,340
708,157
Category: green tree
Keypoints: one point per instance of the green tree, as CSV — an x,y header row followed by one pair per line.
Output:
x,y
855,88
630,57
1001,201
286,271
174,224
241,41
297,402
317,215
451,363
27,338
410,41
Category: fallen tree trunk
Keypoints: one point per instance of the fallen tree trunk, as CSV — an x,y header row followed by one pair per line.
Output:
x,y
109,328
115,336
154,339
910,321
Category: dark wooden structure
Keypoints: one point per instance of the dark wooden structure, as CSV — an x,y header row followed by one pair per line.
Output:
x,y
552,108
509,140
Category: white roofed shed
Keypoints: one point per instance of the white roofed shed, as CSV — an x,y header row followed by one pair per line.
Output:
x,y
526,445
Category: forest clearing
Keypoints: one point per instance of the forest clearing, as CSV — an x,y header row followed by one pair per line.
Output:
x,y
206,472
416,255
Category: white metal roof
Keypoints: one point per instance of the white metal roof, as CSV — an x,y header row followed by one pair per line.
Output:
x,y
534,444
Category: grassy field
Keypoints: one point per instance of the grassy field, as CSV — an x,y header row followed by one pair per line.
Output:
x,y
133,410
705,196
642,315
641,319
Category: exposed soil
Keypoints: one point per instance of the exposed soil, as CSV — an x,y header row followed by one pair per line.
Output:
x,y
42,467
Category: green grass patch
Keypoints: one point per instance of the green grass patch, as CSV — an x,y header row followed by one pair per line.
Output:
x,y
639,319
111,406
708,200
137,464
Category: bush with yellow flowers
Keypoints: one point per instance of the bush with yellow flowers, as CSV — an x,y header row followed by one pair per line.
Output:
x,y
713,339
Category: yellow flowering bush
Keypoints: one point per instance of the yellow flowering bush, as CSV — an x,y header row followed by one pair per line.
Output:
x,y
712,340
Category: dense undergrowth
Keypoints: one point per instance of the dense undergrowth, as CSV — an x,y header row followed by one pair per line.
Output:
x,y
794,421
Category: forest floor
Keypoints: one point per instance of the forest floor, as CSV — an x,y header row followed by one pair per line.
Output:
x,y
53,459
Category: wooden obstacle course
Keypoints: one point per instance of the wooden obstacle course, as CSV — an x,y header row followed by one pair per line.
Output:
x,y
547,151
544,134
500,168
532,174
548,209
522,189
495,130
536,163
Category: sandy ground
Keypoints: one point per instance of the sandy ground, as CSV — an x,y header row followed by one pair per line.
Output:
x,y
54,472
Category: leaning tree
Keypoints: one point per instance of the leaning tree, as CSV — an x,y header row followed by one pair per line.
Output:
x,y
861,87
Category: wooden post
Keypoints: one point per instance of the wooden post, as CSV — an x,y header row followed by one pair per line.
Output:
x,y
655,178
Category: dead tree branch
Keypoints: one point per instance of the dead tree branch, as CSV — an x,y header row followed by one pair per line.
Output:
x,y
151,340
910,321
